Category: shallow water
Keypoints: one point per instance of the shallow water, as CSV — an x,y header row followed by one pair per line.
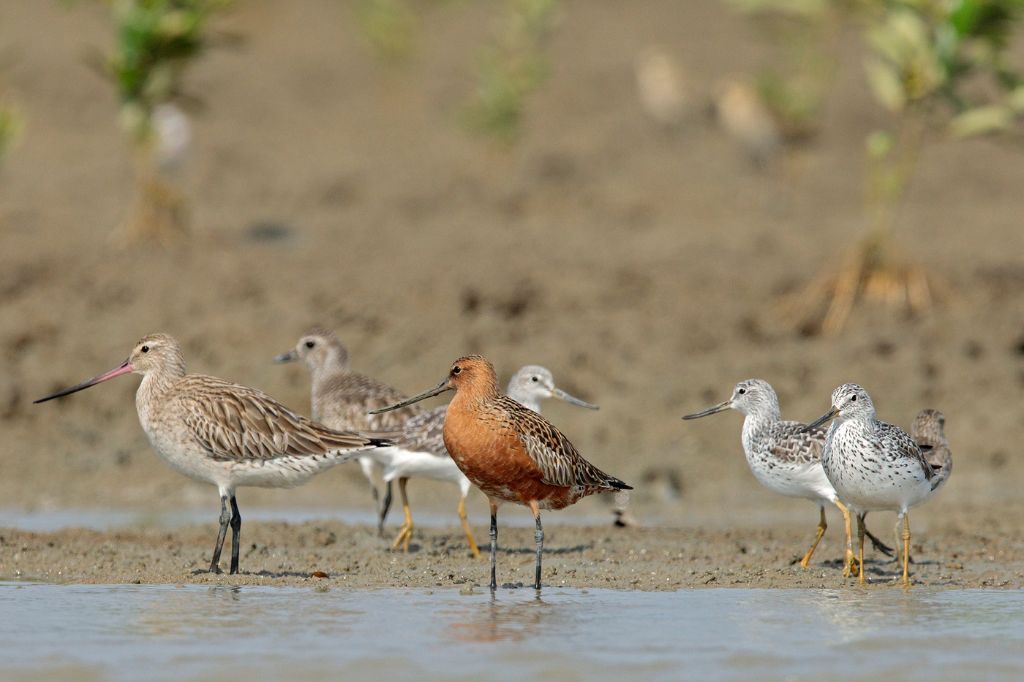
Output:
x,y
165,632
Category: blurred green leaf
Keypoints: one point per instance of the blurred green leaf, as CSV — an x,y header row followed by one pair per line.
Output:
x,y
981,120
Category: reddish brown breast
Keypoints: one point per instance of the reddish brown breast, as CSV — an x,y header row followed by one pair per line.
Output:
x,y
491,455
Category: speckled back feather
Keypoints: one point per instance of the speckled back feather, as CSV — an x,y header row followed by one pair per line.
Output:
x,y
342,400
791,446
234,423
556,457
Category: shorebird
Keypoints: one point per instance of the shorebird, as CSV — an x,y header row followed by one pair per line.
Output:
x,y
222,433
785,457
873,465
510,452
928,431
421,452
533,383
342,398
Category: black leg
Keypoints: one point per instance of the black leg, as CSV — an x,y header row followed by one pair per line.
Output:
x,y
494,546
385,507
236,531
538,536
225,518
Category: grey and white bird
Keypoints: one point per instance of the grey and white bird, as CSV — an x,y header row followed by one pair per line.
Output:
x,y
341,398
785,456
873,465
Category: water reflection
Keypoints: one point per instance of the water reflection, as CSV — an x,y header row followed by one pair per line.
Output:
x,y
194,632
502,618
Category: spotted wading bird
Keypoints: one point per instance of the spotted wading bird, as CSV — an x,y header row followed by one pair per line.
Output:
x,y
510,452
784,457
342,398
222,433
873,465
929,432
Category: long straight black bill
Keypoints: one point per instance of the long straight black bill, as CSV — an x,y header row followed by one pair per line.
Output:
x,y
440,388
820,420
711,410
124,368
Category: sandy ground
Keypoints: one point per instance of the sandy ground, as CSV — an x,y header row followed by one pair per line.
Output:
x,y
337,554
645,268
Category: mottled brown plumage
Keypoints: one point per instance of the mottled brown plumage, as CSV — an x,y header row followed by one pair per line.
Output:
x,y
219,432
510,452
342,398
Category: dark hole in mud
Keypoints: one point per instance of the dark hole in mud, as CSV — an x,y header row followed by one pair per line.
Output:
x,y
269,231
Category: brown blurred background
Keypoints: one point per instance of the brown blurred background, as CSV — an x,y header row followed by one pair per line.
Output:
x,y
645,262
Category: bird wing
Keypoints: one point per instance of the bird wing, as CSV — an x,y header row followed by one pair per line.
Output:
x,y
345,400
558,460
233,422
425,432
792,445
894,439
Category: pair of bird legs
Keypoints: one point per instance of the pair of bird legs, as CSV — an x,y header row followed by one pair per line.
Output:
x,y
538,536
234,519
851,564
854,565
903,517
405,533
405,530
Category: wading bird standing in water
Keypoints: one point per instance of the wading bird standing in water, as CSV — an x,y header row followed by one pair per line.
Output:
x,y
225,434
510,452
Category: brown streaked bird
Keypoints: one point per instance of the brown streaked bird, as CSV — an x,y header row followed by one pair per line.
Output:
x,y
225,434
342,399
510,452
928,430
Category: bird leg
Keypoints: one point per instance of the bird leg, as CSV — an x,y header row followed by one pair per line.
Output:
x,y
538,537
405,532
385,507
822,525
465,527
225,518
236,533
494,545
850,565
906,549
860,537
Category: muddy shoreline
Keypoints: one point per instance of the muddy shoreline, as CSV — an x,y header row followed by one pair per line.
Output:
x,y
583,557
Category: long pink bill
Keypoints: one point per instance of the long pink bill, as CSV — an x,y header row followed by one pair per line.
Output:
x,y
116,372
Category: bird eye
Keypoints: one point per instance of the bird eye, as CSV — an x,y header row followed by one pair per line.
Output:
x,y
535,379
742,391
145,349
310,344
456,369
853,398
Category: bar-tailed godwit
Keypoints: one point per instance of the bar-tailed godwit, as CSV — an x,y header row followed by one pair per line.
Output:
x,y
784,457
222,433
510,452
342,398
873,465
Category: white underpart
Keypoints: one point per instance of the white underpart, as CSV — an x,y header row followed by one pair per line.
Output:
x,y
806,480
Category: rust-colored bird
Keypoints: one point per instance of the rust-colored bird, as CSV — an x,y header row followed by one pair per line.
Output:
x,y
509,451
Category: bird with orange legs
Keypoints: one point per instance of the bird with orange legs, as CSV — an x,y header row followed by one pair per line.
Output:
x,y
510,452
